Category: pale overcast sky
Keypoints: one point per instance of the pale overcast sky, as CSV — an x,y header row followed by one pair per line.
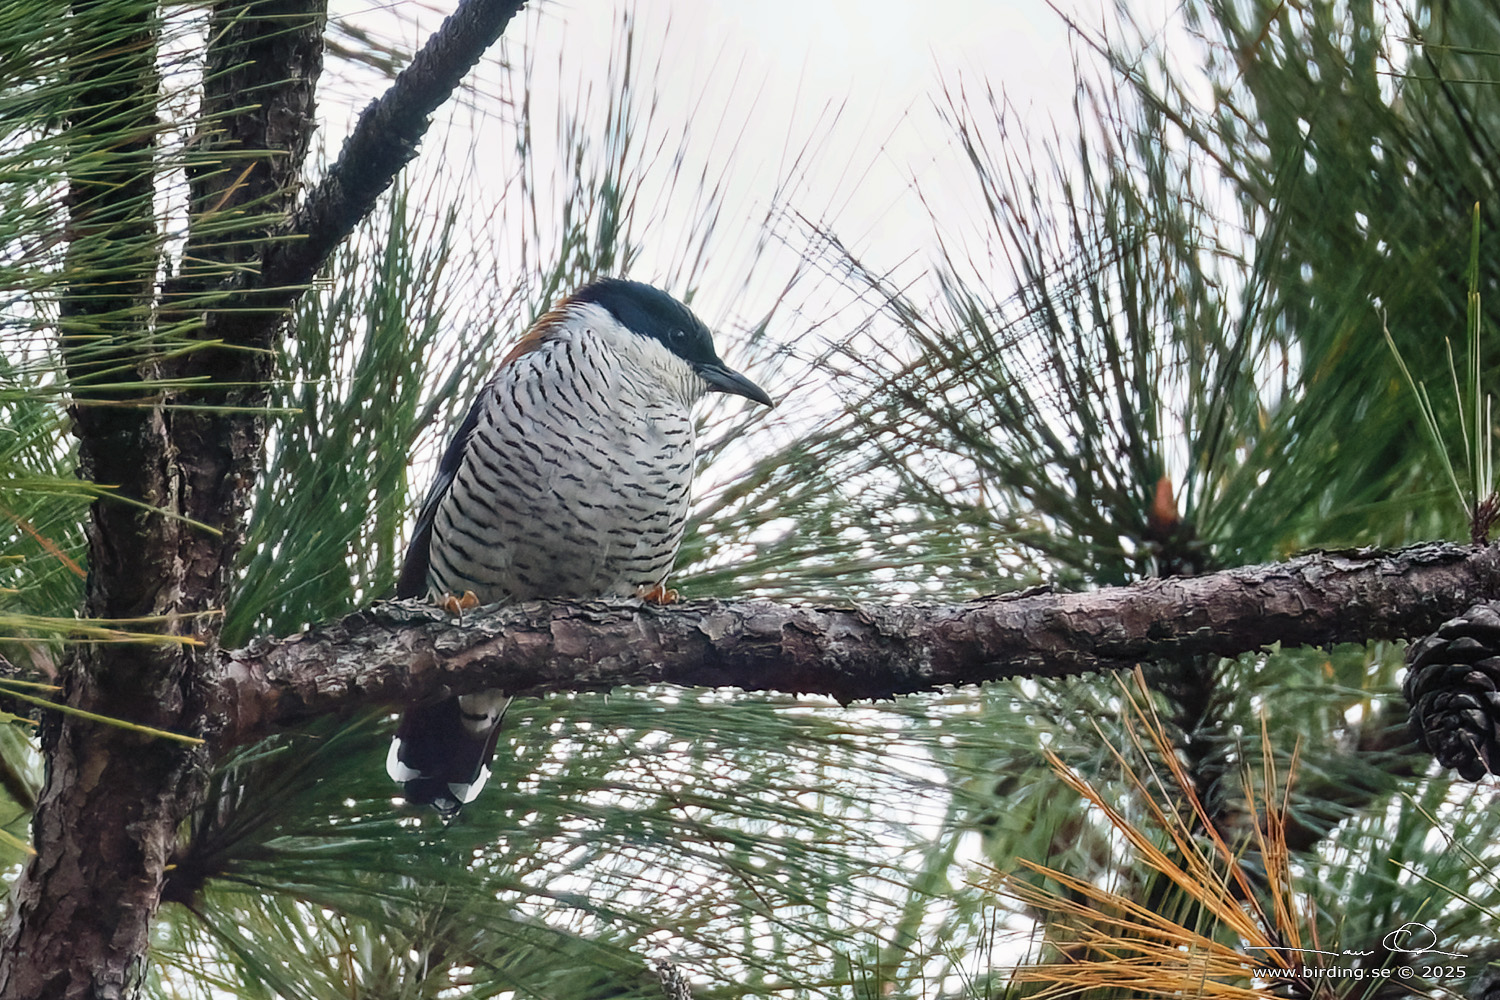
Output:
x,y
828,109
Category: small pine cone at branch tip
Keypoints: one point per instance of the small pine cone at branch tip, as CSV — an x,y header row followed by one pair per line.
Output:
x,y
1453,688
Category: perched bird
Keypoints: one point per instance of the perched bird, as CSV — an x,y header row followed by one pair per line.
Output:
x,y
568,479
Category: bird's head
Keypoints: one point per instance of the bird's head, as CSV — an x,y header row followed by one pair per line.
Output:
x,y
663,322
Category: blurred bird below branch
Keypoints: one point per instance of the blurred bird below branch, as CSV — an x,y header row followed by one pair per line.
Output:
x,y
395,652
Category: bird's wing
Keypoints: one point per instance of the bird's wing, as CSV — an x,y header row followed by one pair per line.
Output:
x,y
413,579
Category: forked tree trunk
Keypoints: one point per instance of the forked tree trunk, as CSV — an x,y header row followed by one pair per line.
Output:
x,y
113,800
183,443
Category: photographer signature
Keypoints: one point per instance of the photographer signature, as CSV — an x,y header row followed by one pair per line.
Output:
x,y
1411,938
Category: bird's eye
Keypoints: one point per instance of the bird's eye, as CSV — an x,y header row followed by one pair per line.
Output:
x,y
678,336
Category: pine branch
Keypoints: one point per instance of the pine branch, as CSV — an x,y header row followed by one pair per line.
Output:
x,y
383,141
399,651
1335,791
113,801
80,920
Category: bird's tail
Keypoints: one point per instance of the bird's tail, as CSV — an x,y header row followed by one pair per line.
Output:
x,y
442,750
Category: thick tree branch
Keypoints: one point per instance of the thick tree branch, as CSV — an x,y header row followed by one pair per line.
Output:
x,y
383,141
395,652
113,802
62,935
80,921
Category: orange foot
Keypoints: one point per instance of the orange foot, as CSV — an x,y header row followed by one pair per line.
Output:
x,y
458,605
655,593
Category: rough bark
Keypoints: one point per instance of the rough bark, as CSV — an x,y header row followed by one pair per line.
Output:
x,y
394,652
63,936
386,138
112,802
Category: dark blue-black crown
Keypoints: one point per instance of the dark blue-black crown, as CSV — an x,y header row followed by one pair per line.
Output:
x,y
651,312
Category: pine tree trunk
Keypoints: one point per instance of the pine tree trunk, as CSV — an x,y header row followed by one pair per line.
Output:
x,y
180,446
113,799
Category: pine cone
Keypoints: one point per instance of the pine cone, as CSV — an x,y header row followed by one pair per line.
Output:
x,y
1453,688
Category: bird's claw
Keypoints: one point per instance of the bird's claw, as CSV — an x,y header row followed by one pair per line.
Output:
x,y
656,593
456,605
